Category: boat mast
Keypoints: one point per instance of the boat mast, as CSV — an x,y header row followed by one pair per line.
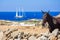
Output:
x,y
16,12
22,12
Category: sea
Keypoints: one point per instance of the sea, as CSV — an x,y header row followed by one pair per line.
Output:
x,y
26,15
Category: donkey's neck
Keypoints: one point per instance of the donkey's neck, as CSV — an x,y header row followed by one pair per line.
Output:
x,y
50,22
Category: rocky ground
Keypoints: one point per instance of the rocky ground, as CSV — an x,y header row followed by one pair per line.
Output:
x,y
8,32
27,33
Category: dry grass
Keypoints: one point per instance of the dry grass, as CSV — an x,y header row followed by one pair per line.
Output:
x,y
32,30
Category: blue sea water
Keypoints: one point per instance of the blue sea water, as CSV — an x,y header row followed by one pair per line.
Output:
x,y
27,15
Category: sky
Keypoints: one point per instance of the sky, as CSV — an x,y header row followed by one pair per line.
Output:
x,y
29,5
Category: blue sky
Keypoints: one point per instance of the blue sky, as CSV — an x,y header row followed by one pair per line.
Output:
x,y
30,5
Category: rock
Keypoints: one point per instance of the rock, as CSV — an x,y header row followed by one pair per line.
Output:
x,y
22,33
23,39
19,35
58,36
1,35
55,32
47,34
10,39
32,38
52,37
58,39
42,38
17,39
36,35
9,31
14,34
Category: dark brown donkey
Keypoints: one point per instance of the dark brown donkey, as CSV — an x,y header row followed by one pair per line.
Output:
x,y
52,21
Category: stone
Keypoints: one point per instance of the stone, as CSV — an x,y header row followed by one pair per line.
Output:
x,y
14,34
42,38
55,32
1,35
32,38
58,36
58,39
52,37
10,39
46,34
17,39
23,39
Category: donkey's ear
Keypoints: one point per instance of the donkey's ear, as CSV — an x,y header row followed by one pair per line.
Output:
x,y
42,11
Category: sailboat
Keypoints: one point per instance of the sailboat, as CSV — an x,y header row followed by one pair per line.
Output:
x,y
18,16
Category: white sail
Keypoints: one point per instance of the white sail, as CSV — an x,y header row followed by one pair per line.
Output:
x,y
19,16
16,13
22,12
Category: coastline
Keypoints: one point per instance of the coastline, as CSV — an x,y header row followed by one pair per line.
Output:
x,y
9,25
32,30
